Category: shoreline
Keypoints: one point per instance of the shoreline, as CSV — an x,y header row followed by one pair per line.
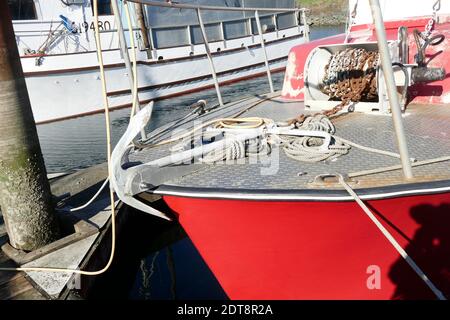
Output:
x,y
329,20
325,12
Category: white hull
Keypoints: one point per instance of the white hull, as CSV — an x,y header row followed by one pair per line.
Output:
x,y
62,94
63,80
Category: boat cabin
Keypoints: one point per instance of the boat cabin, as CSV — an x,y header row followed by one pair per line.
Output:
x,y
71,28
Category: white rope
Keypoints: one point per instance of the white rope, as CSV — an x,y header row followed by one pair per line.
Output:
x,y
391,239
397,167
300,148
238,150
369,149
318,122
309,149
92,199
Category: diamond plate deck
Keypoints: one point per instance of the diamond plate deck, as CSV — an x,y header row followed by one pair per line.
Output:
x,y
426,126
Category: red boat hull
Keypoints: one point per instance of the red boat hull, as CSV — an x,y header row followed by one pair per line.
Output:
x,y
296,249
320,250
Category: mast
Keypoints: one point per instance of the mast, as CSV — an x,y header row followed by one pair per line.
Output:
x,y
139,8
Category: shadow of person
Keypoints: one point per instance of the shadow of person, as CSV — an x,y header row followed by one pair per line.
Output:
x,y
430,249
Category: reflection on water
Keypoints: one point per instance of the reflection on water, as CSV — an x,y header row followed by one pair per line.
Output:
x,y
155,258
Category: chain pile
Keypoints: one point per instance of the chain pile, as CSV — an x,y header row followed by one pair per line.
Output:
x,y
351,75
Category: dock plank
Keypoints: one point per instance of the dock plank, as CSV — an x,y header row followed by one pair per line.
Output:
x,y
31,294
14,285
13,288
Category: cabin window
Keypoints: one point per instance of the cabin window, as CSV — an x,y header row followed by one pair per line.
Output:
x,y
104,7
22,9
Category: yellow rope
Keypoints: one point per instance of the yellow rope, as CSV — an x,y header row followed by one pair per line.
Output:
x,y
236,123
109,148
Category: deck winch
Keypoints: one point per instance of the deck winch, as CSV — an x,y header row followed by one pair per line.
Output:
x,y
350,75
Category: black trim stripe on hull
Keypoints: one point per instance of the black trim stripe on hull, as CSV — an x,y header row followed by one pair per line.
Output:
x,y
325,195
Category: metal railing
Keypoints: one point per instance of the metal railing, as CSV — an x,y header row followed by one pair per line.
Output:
x,y
185,34
257,11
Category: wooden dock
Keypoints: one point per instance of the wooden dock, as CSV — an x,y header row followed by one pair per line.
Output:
x,y
80,185
15,285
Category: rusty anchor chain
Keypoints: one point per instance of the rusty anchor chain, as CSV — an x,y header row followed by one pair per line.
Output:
x,y
350,76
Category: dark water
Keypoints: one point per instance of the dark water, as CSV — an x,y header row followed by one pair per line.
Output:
x,y
155,258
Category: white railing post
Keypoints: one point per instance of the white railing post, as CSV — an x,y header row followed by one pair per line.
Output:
x,y
386,65
152,40
305,26
275,23
222,34
208,53
263,47
188,35
250,29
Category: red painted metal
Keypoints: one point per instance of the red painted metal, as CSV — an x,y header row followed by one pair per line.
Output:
x,y
319,250
437,92
327,250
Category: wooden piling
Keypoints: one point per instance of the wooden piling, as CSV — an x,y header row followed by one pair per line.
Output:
x,y
25,196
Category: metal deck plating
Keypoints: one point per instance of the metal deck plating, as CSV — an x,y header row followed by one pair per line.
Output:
x,y
428,136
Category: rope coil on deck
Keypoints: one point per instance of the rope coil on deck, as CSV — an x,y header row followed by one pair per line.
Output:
x,y
308,149
305,148
301,148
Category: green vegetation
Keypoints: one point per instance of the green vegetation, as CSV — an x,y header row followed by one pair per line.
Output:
x,y
331,6
325,11
311,3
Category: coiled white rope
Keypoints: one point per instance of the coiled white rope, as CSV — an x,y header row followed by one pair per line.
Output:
x,y
238,150
309,149
300,148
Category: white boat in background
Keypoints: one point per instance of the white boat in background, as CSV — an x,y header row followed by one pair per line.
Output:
x,y
58,50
